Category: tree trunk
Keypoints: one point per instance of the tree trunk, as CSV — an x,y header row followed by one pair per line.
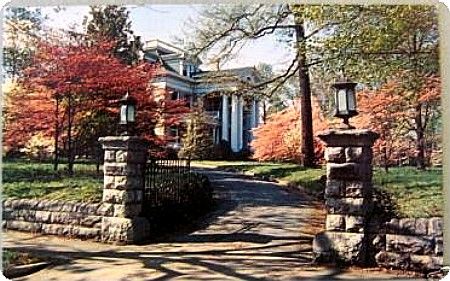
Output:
x,y
69,138
420,147
307,143
56,153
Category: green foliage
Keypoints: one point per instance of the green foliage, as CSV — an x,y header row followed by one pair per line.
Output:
x,y
20,33
38,180
197,143
112,22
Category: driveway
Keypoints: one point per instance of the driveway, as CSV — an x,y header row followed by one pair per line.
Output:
x,y
257,231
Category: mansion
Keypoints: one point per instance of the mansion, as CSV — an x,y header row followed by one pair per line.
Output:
x,y
233,113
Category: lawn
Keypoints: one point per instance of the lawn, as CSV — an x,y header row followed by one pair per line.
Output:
x,y
26,179
417,193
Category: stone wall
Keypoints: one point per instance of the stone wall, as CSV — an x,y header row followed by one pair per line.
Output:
x,y
56,217
414,244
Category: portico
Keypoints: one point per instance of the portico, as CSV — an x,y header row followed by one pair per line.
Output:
x,y
239,117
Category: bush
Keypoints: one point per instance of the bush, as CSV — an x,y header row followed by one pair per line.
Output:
x,y
39,147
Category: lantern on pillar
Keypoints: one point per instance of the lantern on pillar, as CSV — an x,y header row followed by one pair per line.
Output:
x,y
345,101
127,114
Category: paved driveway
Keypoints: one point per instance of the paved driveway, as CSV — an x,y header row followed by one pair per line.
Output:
x,y
258,231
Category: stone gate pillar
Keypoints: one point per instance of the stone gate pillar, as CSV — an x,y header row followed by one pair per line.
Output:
x,y
348,196
123,188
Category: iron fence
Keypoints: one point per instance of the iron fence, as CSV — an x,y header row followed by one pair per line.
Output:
x,y
167,182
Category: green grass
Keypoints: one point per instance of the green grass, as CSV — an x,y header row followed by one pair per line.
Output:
x,y
11,257
23,179
416,193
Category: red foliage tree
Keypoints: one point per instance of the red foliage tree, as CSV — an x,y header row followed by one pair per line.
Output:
x,y
76,79
391,111
279,139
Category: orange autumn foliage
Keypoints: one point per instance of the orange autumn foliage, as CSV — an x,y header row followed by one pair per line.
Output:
x,y
390,111
279,139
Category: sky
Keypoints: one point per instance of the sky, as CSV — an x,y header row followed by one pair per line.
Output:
x,y
166,22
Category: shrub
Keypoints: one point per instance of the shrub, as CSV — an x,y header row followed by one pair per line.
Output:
x,y
39,147
279,139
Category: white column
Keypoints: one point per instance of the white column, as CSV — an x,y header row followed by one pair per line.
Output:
x,y
234,123
241,123
254,116
225,119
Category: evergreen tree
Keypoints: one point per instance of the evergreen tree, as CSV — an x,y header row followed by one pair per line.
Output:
x,y
112,22
197,142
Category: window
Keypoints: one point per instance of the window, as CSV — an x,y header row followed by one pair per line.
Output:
x,y
174,95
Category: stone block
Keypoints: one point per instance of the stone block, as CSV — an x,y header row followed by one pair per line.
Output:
x,y
409,244
24,225
357,206
439,248
125,230
127,211
336,206
110,156
106,210
348,138
358,189
349,171
43,216
392,226
421,226
335,154
334,188
435,226
88,233
425,263
123,169
123,143
392,260
7,203
109,182
90,221
407,226
354,224
335,222
61,218
137,157
129,182
347,247
122,196
378,242
358,154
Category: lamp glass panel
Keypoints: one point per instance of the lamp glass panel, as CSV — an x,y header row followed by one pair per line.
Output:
x,y
351,100
130,113
342,101
123,113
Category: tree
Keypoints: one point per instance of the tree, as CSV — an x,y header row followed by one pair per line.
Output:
x,y
112,23
355,41
21,33
197,142
71,81
388,112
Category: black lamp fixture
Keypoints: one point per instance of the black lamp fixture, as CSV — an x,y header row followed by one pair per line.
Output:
x,y
127,114
345,101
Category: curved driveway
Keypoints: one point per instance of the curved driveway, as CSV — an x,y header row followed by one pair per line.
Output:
x,y
258,231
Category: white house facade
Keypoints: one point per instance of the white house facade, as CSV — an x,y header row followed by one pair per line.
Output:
x,y
234,114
